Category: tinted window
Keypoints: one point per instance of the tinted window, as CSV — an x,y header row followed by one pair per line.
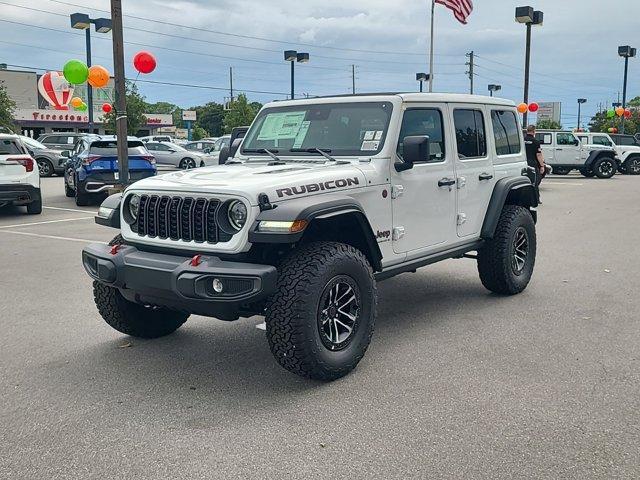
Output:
x,y
505,132
110,148
624,140
584,140
470,136
9,147
566,139
544,138
601,140
428,122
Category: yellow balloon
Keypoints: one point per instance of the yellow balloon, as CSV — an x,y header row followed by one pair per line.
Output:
x,y
76,102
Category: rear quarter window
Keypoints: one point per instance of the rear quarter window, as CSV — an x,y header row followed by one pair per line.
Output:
x,y
506,132
10,147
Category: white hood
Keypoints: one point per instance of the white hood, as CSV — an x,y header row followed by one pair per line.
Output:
x,y
249,179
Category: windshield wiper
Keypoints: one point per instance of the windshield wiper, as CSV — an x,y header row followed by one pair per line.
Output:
x,y
271,153
322,151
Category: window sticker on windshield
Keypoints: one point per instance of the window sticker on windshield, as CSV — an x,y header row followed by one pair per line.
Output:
x,y
279,126
302,134
369,134
369,145
378,135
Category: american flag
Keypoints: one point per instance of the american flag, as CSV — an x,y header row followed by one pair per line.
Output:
x,y
460,8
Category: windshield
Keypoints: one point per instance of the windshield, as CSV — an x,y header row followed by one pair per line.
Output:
x,y
30,142
356,128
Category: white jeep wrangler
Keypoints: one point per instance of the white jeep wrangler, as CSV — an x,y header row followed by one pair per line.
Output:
x,y
324,198
628,153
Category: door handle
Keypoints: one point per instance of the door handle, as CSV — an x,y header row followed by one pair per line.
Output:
x,y
446,182
559,149
485,176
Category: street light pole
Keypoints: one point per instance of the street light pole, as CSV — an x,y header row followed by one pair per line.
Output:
x,y
627,52
580,102
89,88
421,78
529,17
293,79
294,57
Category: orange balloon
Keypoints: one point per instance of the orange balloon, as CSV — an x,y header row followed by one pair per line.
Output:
x,y
620,111
98,76
523,108
76,102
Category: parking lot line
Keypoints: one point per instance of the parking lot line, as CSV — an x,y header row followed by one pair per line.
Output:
x,y
565,183
54,237
66,209
44,223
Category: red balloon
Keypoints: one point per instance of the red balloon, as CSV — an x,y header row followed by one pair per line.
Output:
x,y
627,113
106,107
533,107
144,62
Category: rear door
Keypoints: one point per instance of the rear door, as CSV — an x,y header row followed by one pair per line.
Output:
x,y
473,165
547,146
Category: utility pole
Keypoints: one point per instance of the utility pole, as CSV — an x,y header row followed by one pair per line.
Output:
x,y
231,84
121,91
470,72
353,79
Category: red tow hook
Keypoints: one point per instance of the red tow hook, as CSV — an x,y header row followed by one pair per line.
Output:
x,y
115,249
196,260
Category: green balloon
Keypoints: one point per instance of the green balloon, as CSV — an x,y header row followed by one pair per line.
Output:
x,y
83,107
76,72
611,113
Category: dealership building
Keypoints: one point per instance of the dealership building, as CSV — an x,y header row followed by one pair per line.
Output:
x,y
35,116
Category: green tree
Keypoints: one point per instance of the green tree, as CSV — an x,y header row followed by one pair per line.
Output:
x,y
136,108
239,114
548,124
602,123
7,107
210,117
198,133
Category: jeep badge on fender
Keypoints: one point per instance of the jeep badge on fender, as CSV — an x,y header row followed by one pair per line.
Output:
x,y
298,225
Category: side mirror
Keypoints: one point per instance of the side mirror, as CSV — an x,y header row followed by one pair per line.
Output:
x,y
234,147
31,152
224,155
66,154
416,149
207,151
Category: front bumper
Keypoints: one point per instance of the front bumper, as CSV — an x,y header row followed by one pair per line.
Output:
x,y
172,281
19,194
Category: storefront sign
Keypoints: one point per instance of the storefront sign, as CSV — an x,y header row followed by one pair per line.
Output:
x,y
71,116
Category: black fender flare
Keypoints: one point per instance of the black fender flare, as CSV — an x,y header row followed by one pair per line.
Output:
x,y
109,212
512,191
315,208
596,155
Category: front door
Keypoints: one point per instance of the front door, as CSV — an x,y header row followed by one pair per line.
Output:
x,y
567,149
424,197
474,168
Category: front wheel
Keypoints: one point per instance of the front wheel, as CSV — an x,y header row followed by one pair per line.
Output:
x,y
605,167
187,163
45,167
632,166
321,318
505,262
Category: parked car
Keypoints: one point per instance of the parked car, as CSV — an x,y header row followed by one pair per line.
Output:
x,y
60,140
93,166
157,138
324,199
49,161
564,152
204,146
167,153
627,150
19,175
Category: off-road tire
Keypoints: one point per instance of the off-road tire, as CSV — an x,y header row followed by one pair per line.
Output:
x,y
605,167
45,167
632,166
35,207
293,314
496,257
131,318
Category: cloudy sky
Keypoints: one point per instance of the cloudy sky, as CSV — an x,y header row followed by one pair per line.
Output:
x,y
195,42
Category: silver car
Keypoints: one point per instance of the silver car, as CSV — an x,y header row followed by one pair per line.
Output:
x,y
49,160
171,154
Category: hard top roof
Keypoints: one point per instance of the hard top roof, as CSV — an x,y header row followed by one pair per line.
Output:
x,y
405,97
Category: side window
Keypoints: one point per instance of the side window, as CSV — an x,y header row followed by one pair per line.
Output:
x,y
470,136
151,146
566,139
505,132
544,138
584,140
601,140
427,121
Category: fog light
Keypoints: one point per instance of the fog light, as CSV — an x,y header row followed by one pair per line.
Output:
x,y
217,285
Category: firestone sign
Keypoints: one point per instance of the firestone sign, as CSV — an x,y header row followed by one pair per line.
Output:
x,y
59,117
68,116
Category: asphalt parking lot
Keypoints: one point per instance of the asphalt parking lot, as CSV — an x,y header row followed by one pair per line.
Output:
x,y
458,383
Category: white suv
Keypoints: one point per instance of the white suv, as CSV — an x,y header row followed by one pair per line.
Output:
x,y
19,175
324,198
628,155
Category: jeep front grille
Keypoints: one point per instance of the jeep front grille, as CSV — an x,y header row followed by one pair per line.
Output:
x,y
180,218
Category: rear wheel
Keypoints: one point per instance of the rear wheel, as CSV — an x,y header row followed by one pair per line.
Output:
x,y
632,166
35,207
45,167
82,199
506,261
187,163
605,167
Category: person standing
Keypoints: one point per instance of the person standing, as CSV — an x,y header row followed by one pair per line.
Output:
x,y
535,159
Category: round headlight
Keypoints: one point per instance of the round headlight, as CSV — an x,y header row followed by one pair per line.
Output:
x,y
134,204
237,214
